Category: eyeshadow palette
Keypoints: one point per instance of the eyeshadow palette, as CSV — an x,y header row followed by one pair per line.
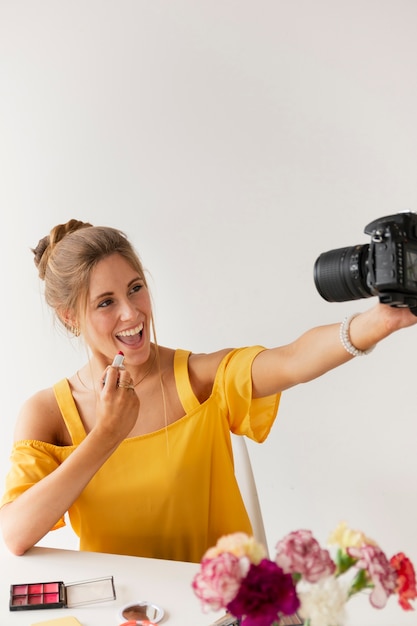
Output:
x,y
56,595
26,596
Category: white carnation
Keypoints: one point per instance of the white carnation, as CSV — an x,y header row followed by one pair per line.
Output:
x,y
323,603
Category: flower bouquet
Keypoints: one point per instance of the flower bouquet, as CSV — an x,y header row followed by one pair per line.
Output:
x,y
303,579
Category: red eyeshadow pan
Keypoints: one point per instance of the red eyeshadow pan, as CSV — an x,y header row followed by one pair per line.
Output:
x,y
35,599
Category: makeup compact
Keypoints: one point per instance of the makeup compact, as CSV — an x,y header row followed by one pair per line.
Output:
x,y
57,595
141,612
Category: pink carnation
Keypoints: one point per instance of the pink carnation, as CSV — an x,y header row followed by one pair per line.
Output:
x,y
218,580
381,574
300,553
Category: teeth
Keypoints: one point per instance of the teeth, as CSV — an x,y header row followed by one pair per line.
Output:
x,y
131,331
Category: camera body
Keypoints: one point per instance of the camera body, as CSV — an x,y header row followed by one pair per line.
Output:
x,y
386,267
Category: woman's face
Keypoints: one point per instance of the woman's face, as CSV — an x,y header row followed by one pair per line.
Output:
x,y
118,314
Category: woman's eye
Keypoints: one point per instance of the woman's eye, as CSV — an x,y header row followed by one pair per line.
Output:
x,y
104,304
136,288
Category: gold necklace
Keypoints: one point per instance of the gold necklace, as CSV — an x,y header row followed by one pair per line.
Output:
x,y
148,371
77,373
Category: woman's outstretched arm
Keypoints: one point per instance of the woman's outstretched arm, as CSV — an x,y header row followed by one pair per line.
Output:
x,y
321,349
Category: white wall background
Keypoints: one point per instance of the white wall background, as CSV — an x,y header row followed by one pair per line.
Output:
x,y
233,141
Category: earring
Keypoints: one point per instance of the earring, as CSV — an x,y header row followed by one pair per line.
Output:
x,y
75,331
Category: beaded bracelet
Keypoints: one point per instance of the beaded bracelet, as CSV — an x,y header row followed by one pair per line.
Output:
x,y
345,338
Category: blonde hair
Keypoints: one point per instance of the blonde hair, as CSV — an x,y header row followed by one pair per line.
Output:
x,y
66,257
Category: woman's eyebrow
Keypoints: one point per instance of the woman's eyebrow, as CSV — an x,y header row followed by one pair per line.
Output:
x,y
135,280
106,294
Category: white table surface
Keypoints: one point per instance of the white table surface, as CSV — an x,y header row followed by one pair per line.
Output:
x,y
166,583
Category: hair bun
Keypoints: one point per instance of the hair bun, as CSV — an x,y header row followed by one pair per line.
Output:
x,y
46,245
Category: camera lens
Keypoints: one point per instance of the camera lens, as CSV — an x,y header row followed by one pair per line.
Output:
x,y
341,275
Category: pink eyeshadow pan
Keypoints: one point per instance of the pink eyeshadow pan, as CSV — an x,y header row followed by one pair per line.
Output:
x,y
51,597
19,600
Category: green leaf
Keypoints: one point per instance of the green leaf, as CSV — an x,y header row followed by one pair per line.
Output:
x,y
343,562
359,582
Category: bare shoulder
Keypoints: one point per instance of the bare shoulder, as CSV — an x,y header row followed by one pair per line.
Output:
x,y
202,371
40,418
202,368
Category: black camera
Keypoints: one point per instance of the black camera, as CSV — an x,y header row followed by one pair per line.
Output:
x,y
387,267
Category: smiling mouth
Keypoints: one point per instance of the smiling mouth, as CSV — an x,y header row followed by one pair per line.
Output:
x,y
132,335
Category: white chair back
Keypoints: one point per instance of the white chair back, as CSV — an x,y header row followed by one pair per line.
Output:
x,y
247,486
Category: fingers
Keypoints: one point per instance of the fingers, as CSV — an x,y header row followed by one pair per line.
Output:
x,y
396,318
117,406
128,384
117,377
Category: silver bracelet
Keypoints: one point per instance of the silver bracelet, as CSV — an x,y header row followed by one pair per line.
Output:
x,y
345,338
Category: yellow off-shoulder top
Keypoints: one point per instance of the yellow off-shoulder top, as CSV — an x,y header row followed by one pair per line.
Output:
x,y
169,494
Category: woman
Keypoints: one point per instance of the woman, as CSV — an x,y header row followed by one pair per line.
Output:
x,y
140,455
